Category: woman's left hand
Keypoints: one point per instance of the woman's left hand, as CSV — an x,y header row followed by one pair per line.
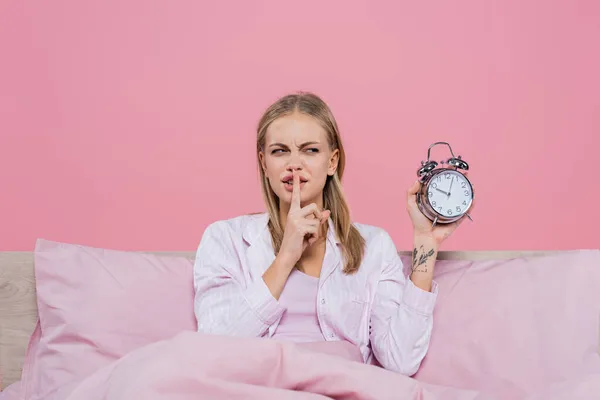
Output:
x,y
422,226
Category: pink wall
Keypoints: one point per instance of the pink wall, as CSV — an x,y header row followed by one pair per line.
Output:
x,y
130,125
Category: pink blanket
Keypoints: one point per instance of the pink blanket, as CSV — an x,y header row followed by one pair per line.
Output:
x,y
198,366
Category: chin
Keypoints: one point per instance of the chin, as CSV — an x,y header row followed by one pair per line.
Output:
x,y
283,196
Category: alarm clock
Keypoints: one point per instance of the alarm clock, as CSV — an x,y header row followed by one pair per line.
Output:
x,y
446,194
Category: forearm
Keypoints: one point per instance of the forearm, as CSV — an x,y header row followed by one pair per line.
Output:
x,y
277,274
223,307
425,249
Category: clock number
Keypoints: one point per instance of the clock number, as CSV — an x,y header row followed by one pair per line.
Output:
x,y
463,185
458,208
466,192
433,203
447,176
434,185
440,208
449,212
464,203
430,194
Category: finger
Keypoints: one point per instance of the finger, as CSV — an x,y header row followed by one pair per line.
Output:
x,y
313,223
414,189
295,191
325,216
311,228
314,236
411,198
311,209
312,240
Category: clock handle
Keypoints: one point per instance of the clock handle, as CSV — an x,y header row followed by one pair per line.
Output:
x,y
456,162
435,144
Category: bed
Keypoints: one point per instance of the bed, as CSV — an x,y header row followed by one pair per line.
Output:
x,y
19,313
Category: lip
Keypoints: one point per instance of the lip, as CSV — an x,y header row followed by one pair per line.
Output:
x,y
290,186
290,177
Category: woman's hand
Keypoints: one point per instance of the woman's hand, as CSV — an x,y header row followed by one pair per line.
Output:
x,y
303,226
422,226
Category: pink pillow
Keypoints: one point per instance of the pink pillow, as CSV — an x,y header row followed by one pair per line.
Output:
x,y
512,326
97,305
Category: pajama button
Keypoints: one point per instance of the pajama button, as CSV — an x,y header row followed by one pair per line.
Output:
x,y
322,301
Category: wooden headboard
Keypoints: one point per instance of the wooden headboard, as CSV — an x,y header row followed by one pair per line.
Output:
x,y
18,309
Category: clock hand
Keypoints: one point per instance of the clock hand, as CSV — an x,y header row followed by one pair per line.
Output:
x,y
439,190
451,182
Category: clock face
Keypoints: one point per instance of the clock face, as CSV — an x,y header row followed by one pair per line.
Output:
x,y
449,193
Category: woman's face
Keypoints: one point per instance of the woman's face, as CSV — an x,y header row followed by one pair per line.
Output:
x,y
298,142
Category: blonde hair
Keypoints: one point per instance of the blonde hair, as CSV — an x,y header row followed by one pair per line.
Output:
x,y
351,241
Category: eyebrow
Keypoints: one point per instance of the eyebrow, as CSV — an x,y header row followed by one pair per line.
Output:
x,y
302,145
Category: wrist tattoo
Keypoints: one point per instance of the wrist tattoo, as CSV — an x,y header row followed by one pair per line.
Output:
x,y
419,260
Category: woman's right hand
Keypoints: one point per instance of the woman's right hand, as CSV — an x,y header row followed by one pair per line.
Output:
x,y
303,225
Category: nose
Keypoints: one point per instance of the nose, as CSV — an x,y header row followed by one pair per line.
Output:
x,y
294,163
294,167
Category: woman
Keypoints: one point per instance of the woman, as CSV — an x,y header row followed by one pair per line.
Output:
x,y
303,271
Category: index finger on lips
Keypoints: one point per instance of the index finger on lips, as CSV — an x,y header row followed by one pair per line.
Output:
x,y
295,191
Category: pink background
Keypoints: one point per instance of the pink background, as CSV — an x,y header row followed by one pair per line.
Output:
x,y
131,124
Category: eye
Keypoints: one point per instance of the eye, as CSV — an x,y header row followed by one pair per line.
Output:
x,y
276,151
312,150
